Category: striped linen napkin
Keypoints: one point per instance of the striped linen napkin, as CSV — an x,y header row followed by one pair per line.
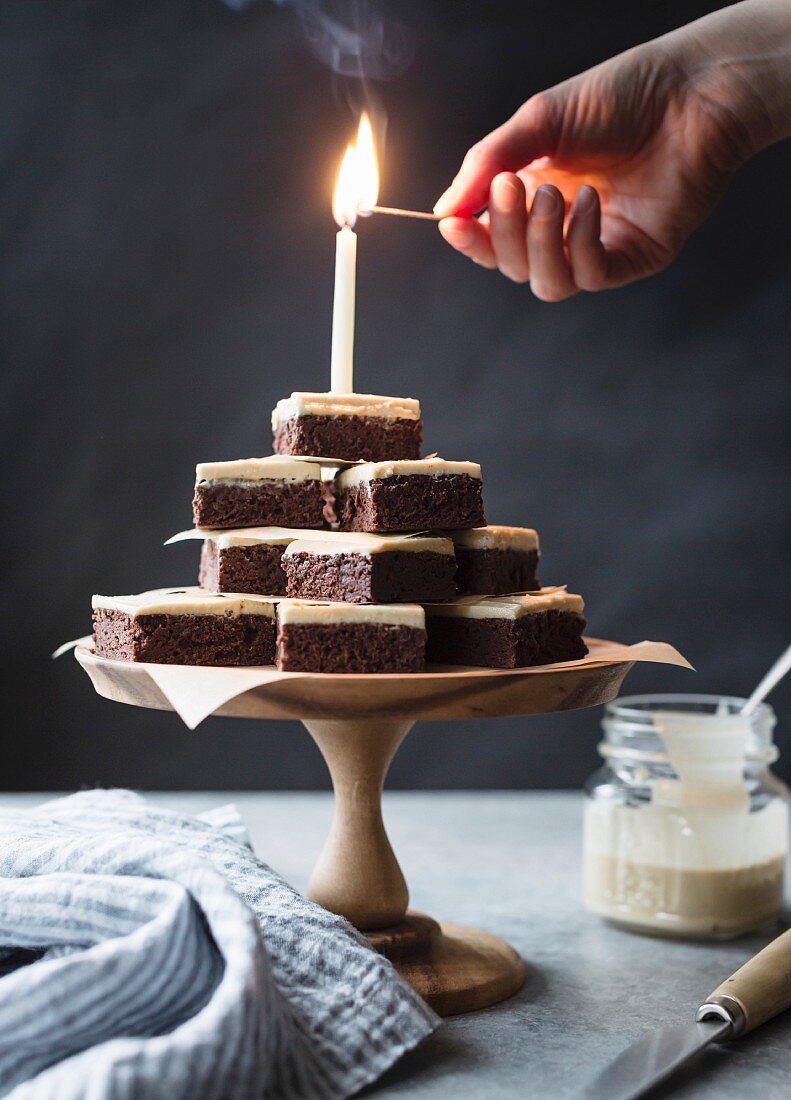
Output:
x,y
148,955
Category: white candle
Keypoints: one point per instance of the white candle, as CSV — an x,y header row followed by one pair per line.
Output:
x,y
357,188
342,362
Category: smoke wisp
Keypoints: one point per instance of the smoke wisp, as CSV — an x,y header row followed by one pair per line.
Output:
x,y
353,38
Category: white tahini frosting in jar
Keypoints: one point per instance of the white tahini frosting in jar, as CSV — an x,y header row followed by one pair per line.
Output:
x,y
697,859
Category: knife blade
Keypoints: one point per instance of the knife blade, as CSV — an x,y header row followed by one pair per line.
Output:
x,y
758,991
652,1059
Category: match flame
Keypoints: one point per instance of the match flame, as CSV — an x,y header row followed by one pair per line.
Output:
x,y
357,188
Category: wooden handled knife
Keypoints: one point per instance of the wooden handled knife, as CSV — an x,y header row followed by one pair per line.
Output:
x,y
758,991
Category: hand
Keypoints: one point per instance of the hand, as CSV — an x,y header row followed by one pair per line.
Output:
x,y
640,147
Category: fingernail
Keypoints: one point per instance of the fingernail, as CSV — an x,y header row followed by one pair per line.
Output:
x,y
545,202
444,204
584,201
507,196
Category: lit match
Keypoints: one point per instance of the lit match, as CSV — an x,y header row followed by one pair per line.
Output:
x,y
396,212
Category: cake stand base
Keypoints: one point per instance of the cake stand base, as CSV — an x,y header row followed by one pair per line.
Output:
x,y
358,722
454,968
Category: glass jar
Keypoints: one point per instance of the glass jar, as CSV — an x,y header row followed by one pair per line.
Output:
x,y
685,826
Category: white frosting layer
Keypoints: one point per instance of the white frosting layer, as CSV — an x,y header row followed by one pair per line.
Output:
x,y
421,467
186,601
328,542
496,537
344,543
509,607
345,404
315,611
329,466
276,467
246,536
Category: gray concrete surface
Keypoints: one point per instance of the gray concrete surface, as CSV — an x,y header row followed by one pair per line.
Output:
x,y
509,863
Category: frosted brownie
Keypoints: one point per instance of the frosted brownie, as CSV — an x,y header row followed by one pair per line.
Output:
x,y
348,426
258,492
494,560
409,496
185,626
364,569
347,637
246,560
507,631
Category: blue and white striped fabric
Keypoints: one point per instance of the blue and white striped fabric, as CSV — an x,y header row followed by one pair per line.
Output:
x,y
148,955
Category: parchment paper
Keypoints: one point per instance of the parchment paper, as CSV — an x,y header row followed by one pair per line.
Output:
x,y
196,691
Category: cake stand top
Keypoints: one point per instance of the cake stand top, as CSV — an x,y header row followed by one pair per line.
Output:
x,y
437,693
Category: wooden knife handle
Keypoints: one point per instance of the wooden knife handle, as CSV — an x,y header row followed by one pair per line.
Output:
x,y
757,991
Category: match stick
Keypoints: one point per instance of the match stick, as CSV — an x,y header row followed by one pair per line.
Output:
x,y
423,215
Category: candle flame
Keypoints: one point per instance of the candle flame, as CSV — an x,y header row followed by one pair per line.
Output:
x,y
357,188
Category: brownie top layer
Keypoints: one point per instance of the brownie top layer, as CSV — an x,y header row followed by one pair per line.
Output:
x,y
345,404
186,601
509,607
246,536
275,467
362,543
298,612
421,467
496,537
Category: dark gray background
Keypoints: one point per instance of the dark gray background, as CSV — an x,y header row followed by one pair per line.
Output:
x,y
167,255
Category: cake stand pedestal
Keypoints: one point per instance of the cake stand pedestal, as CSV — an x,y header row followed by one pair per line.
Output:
x,y
358,723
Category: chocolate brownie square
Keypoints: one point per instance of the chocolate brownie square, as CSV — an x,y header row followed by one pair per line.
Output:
x,y
259,492
246,560
363,568
409,496
507,631
249,567
495,560
348,426
347,637
185,626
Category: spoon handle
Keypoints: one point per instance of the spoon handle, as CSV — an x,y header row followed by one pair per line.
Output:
x,y
775,674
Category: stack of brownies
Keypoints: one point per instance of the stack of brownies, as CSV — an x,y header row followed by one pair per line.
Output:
x,y
347,552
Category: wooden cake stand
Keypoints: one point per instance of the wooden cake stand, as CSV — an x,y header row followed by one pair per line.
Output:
x,y
358,722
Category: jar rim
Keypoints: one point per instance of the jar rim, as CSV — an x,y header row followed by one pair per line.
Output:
x,y
630,733
637,706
